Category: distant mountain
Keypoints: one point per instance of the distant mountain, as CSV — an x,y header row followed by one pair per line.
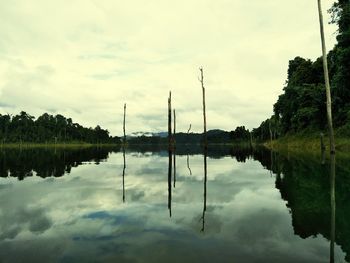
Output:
x,y
213,136
148,134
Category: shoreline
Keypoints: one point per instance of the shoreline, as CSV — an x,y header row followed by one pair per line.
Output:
x,y
58,145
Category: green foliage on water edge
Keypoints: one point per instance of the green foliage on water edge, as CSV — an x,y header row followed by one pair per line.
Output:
x,y
49,129
302,105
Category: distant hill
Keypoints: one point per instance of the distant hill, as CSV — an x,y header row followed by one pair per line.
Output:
x,y
213,136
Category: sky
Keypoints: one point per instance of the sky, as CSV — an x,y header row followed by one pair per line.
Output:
x,y
85,58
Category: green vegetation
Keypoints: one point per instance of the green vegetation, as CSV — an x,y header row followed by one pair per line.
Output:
x,y
302,105
23,129
304,183
238,136
306,141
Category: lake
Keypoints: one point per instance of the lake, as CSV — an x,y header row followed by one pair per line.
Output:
x,y
226,205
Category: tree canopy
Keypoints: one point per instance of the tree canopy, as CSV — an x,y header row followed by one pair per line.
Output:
x,y
49,129
302,105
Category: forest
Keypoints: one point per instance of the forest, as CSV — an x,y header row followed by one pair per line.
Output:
x,y
24,128
302,105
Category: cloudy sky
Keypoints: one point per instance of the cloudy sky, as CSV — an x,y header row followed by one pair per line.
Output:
x,y
85,58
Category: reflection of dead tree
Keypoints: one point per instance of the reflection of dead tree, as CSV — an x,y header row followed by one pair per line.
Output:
x,y
188,156
205,191
332,183
174,168
124,143
169,181
124,167
174,143
188,164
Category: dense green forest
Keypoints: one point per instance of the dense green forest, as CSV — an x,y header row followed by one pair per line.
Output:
x,y
303,102
49,129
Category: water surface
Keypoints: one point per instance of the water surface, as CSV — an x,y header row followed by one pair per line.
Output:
x,y
87,205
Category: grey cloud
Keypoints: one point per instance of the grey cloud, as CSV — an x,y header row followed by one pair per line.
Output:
x,y
14,221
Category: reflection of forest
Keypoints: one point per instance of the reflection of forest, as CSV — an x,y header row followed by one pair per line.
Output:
x,y
47,162
303,182
306,184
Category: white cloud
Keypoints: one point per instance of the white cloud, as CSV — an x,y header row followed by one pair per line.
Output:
x,y
86,58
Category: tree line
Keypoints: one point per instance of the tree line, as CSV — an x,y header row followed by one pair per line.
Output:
x,y
302,104
24,128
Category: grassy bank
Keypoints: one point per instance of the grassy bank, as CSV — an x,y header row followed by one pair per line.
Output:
x,y
309,142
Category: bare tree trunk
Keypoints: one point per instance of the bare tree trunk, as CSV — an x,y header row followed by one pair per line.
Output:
x,y
174,147
326,78
169,120
204,112
174,134
124,124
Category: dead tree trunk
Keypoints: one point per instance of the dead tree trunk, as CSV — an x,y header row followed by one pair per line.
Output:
x,y
174,133
326,78
204,111
124,140
169,121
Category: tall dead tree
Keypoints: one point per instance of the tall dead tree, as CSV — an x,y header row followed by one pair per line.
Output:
x,y
174,147
169,121
201,79
174,133
326,78
124,143
124,140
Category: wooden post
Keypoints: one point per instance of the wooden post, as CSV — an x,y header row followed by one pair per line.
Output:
x,y
169,121
124,140
204,113
326,78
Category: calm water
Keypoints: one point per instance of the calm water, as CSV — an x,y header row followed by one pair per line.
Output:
x,y
242,206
